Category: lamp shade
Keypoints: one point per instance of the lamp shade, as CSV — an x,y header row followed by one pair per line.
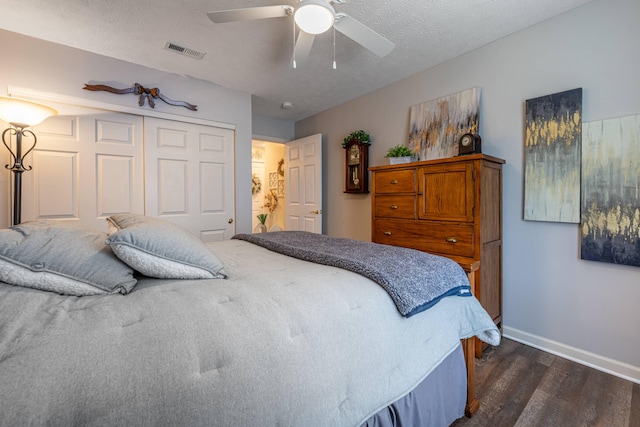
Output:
x,y
314,16
22,114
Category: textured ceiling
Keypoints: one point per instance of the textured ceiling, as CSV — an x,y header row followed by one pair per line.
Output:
x,y
254,56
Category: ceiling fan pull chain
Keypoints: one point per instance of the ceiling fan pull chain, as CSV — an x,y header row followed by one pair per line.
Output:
x,y
294,44
334,48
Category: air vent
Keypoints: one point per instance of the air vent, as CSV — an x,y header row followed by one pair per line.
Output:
x,y
192,53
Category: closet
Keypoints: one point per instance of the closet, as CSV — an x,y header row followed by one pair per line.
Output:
x,y
89,164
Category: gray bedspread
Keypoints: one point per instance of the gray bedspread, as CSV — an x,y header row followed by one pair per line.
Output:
x,y
281,342
415,280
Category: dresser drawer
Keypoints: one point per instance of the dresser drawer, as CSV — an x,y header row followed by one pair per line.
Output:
x,y
395,206
426,236
402,181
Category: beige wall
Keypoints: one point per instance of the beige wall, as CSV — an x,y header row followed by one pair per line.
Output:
x,y
552,299
274,152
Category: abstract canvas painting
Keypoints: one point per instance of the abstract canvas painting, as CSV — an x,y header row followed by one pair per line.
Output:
x,y
553,136
611,191
435,126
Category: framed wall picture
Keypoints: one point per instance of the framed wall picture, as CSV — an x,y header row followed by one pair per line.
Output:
x,y
610,214
280,189
273,180
553,136
436,126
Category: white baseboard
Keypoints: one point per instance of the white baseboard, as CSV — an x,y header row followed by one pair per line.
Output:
x,y
601,363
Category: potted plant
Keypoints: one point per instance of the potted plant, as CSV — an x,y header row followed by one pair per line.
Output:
x,y
399,154
261,228
357,135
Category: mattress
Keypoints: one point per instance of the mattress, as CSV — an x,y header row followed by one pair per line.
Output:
x,y
279,342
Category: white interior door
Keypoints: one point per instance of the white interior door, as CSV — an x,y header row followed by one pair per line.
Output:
x,y
303,190
87,165
189,175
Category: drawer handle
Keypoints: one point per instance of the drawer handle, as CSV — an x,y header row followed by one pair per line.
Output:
x,y
394,181
452,240
394,206
387,233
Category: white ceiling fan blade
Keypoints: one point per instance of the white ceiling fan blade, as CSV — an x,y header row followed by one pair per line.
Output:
x,y
302,48
250,13
363,35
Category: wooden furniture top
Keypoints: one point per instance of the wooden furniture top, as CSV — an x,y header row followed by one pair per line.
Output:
x,y
440,161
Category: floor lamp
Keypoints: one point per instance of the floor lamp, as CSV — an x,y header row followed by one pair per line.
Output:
x,y
20,115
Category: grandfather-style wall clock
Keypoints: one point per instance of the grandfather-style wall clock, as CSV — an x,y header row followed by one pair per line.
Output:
x,y
357,173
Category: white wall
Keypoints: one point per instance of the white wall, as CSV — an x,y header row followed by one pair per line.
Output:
x,y
269,129
51,68
587,311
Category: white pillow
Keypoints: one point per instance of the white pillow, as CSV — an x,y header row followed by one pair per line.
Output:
x,y
161,249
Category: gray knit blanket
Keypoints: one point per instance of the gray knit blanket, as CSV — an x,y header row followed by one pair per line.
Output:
x,y
414,280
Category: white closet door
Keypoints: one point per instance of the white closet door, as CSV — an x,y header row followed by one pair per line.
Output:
x,y
87,165
189,174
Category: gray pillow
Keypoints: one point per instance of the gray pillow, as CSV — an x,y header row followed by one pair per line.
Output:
x,y
161,249
61,257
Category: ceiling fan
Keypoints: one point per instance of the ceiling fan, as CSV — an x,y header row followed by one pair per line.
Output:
x,y
312,17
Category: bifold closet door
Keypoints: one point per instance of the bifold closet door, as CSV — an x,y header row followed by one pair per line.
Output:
x,y
189,175
87,165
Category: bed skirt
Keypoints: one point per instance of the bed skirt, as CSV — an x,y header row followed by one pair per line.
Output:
x,y
438,400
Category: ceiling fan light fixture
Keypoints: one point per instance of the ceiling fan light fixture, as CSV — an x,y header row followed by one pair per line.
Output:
x,y
314,16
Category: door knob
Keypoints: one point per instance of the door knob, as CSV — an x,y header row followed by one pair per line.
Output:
x,y
230,221
316,212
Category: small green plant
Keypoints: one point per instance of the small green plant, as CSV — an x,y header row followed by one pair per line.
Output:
x,y
262,218
399,151
358,135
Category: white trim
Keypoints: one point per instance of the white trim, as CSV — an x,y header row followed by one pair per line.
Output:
x,y
592,360
23,92
270,139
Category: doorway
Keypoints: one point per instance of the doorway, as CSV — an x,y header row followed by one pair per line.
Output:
x,y
267,184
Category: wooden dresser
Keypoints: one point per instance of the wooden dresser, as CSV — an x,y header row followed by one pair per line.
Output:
x,y
450,207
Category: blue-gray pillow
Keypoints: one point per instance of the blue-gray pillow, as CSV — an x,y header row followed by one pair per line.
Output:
x,y
61,257
161,249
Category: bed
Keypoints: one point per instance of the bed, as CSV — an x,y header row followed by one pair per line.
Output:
x,y
230,333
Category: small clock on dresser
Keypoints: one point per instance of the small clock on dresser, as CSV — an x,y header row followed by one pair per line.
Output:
x,y
469,143
357,172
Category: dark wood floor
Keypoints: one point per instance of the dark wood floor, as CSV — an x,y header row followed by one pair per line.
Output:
x,y
518,385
